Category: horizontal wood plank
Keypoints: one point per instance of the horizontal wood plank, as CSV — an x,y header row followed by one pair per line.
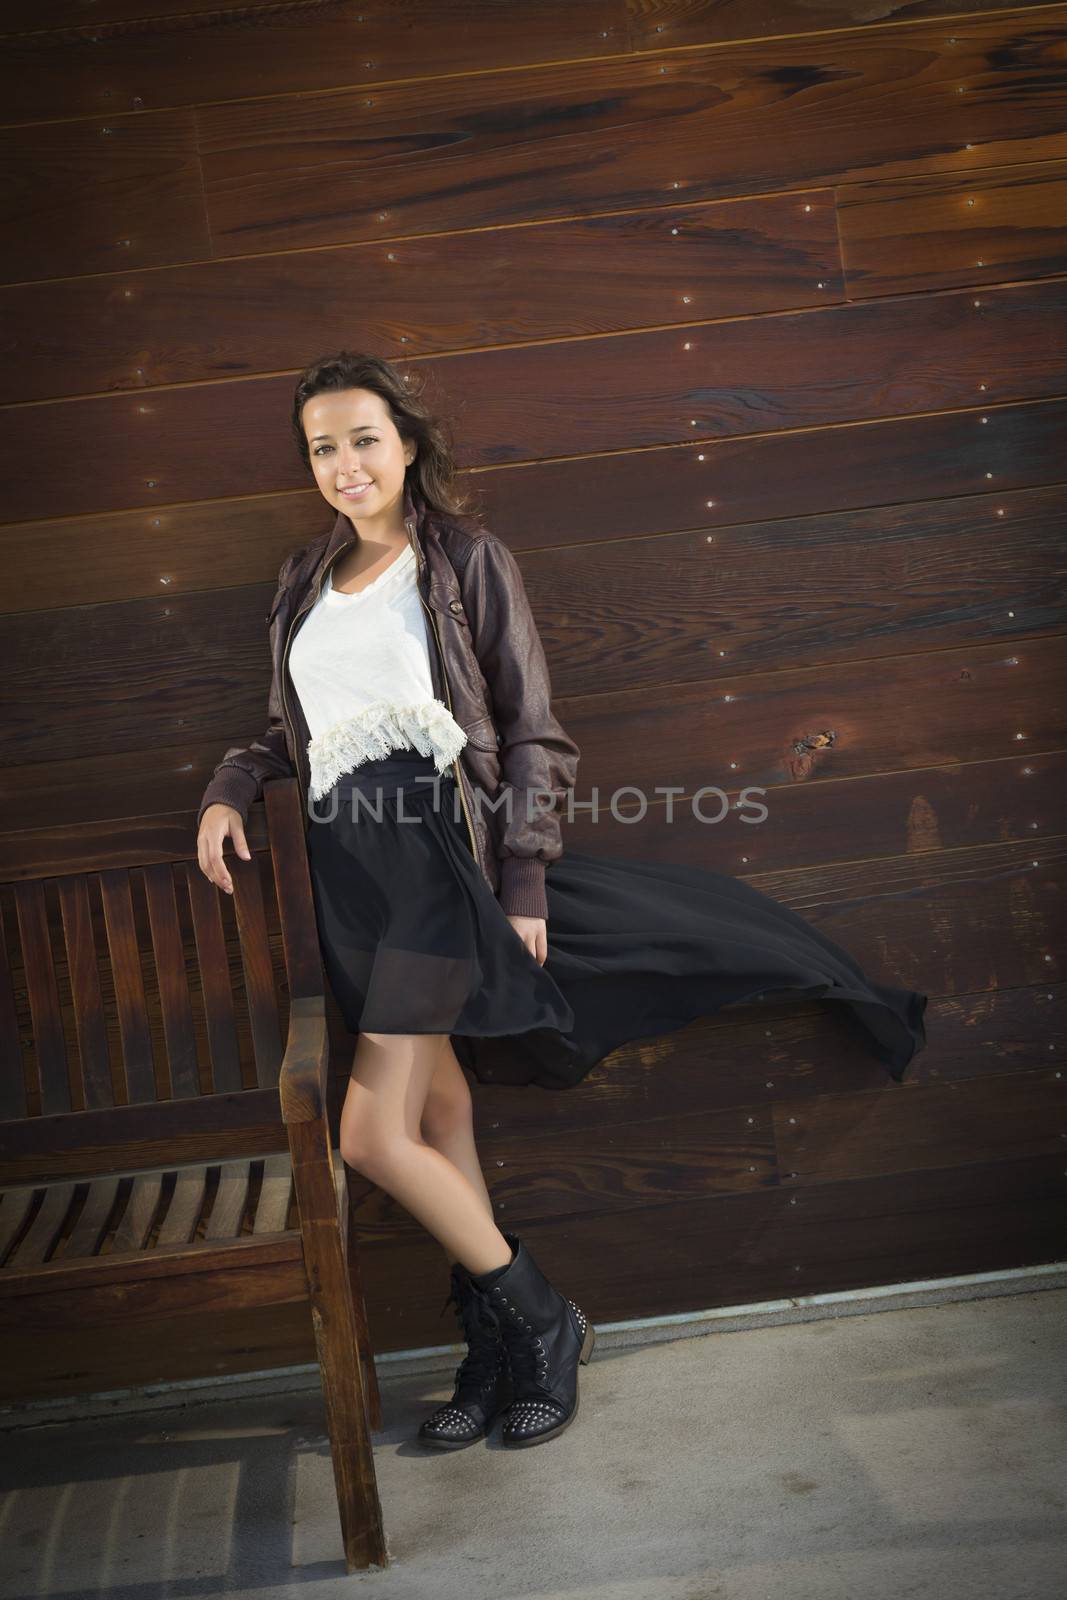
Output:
x,y
770,711
301,170
703,383
903,236
562,505
697,1154
448,292
765,1245
212,52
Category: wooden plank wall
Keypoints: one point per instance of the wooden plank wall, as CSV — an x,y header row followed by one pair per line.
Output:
x,y
750,321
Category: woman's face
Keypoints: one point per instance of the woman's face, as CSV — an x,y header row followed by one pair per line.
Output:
x,y
354,442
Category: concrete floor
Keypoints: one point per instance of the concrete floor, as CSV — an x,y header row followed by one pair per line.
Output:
x,y
858,1453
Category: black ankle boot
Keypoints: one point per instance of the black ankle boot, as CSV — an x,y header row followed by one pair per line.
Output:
x,y
483,1387
546,1337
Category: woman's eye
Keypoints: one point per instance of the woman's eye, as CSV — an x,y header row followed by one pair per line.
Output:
x,y
365,440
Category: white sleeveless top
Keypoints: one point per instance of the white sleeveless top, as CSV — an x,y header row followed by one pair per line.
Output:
x,y
361,666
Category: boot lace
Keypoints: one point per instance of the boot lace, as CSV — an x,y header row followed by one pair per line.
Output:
x,y
528,1363
482,1330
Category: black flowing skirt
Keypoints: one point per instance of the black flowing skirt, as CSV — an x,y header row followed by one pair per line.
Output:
x,y
414,941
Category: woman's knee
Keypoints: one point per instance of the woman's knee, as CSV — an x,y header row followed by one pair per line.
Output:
x,y
379,1119
365,1156
373,1146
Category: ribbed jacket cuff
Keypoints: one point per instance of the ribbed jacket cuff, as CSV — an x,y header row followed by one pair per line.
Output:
x,y
522,887
231,786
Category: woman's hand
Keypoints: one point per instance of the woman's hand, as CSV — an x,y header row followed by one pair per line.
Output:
x,y
533,931
218,823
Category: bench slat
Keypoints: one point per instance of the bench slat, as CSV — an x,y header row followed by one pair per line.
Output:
x,y
272,1213
85,1237
43,1230
93,1050
12,1082
226,1213
173,980
136,1220
186,1205
205,902
14,1209
50,1051
130,1002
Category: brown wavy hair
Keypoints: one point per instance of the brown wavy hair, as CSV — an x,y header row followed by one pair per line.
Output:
x,y
433,473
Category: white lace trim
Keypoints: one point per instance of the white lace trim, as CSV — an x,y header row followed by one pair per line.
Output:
x,y
376,730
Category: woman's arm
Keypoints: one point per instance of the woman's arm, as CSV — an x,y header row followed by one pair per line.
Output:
x,y
239,777
536,753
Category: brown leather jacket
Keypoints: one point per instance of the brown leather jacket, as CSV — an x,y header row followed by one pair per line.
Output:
x,y
487,664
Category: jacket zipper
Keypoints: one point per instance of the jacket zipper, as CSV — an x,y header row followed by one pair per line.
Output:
x,y
444,676
455,763
448,696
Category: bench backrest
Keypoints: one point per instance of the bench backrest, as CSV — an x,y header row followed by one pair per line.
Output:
x,y
143,1012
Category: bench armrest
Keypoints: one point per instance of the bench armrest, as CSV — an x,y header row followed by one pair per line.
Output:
x,y
302,1079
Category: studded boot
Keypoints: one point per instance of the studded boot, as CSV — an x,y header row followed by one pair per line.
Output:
x,y
483,1384
546,1337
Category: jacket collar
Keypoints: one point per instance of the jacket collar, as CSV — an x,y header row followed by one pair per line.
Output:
x,y
414,515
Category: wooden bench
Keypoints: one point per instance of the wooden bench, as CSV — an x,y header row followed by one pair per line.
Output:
x,y
171,1200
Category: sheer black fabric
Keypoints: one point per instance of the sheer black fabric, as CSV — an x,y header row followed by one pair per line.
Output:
x,y
414,941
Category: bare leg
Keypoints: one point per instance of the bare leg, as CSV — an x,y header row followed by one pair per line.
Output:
x,y
381,1137
448,1121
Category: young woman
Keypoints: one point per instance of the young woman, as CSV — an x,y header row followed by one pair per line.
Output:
x,y
411,697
